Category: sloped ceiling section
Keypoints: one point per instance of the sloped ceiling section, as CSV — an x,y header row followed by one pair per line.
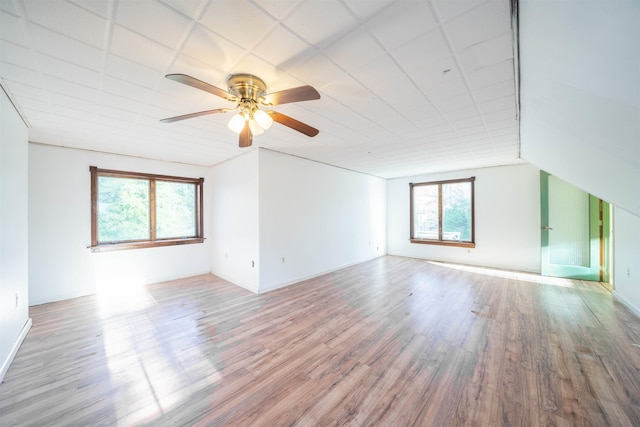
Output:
x,y
407,87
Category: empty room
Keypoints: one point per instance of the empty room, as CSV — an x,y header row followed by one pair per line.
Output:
x,y
319,212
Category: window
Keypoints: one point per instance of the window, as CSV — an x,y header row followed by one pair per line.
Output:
x,y
442,212
136,210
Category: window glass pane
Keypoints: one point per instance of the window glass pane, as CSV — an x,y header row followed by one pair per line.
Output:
x,y
123,209
425,207
456,211
175,210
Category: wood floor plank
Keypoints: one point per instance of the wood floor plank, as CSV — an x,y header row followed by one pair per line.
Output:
x,y
393,341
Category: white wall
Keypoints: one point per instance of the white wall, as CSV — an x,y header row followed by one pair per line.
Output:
x,y
317,217
60,265
14,278
580,94
507,219
234,219
626,262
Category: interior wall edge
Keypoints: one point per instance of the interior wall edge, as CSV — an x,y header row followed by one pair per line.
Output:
x,y
14,350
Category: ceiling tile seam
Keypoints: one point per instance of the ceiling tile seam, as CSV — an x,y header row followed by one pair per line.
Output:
x,y
106,49
430,101
197,15
275,18
25,25
388,53
454,17
463,75
346,106
250,51
372,16
187,34
417,87
364,25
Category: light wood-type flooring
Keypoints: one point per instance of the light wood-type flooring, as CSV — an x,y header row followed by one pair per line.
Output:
x,y
389,342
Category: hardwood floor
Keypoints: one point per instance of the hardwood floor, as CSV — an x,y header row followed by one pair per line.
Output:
x,y
390,342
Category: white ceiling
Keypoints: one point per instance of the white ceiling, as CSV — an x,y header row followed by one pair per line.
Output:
x,y
407,87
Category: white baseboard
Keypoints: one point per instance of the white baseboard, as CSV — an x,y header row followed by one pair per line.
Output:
x,y
14,350
635,310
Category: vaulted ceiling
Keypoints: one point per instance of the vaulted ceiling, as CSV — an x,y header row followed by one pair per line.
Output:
x,y
407,86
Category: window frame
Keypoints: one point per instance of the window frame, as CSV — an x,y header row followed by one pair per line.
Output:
x,y
152,241
440,241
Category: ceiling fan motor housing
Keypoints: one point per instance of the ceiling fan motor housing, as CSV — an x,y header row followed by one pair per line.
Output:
x,y
246,87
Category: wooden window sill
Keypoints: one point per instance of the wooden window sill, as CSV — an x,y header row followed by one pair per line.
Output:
x,y
444,243
106,247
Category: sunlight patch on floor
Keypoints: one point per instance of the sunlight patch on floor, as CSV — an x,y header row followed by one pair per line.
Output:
x,y
507,274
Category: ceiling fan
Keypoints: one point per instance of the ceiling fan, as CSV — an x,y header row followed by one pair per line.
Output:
x,y
249,92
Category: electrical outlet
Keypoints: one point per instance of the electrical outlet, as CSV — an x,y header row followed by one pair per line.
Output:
x,y
282,260
253,263
629,272
17,299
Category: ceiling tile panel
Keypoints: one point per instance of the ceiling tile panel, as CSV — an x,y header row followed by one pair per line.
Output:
x,y
490,52
153,20
449,9
491,75
402,22
211,49
406,86
282,47
11,29
68,49
359,40
238,21
72,89
317,71
278,8
490,93
125,89
187,64
488,21
189,8
29,103
24,91
365,9
422,51
68,19
497,104
252,64
130,71
66,70
137,48
100,8
19,74
380,72
320,22
17,55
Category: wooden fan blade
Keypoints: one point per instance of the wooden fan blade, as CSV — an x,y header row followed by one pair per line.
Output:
x,y
192,115
246,137
293,123
199,84
296,94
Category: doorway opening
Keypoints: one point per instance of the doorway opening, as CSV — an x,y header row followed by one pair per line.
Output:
x,y
576,232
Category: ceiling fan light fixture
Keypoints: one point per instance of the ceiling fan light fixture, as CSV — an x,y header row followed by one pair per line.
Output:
x,y
264,120
236,123
248,92
256,129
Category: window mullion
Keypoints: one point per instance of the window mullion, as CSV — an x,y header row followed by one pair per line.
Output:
x,y
152,209
440,212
